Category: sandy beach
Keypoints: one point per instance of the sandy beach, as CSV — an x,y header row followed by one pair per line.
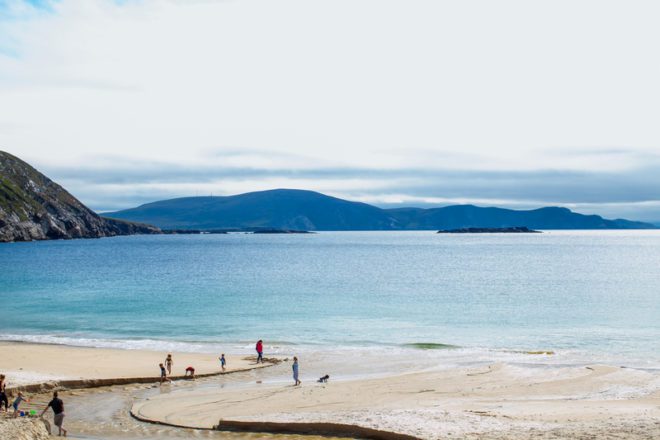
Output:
x,y
496,401
491,401
29,364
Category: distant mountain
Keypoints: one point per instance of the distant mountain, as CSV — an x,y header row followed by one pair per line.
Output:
x,y
33,207
308,210
279,208
470,216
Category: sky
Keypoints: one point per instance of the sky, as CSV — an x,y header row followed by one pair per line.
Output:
x,y
516,104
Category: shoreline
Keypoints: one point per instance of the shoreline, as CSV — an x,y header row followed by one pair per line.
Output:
x,y
36,367
494,401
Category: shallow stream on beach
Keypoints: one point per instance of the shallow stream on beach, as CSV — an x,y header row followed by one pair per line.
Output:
x,y
103,413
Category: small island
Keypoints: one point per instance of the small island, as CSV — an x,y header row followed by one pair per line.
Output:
x,y
508,230
280,231
193,231
234,230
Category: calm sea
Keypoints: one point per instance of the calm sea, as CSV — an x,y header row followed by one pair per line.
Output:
x,y
426,298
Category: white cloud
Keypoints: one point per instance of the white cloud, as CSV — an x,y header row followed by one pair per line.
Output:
x,y
380,84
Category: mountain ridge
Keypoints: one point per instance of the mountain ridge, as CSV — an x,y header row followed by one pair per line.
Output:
x,y
251,210
309,210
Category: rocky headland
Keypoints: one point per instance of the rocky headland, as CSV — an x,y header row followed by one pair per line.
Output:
x,y
33,207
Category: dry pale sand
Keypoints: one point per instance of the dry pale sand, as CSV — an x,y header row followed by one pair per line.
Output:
x,y
498,401
25,364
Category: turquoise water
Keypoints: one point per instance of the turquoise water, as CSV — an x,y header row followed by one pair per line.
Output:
x,y
587,296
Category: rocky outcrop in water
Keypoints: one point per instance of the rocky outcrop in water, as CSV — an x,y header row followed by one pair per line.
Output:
x,y
279,231
33,207
511,230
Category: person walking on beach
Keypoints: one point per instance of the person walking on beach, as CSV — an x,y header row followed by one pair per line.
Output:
x,y
19,398
3,393
58,411
169,363
295,371
260,351
163,374
223,361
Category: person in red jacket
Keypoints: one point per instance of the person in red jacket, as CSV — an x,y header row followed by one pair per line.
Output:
x,y
260,351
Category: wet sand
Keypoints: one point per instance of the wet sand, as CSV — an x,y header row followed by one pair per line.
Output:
x,y
497,401
103,412
26,364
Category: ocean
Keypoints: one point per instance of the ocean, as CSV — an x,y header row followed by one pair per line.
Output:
x,y
364,301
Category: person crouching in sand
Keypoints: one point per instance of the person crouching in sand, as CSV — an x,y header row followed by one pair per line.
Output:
x,y
190,371
295,371
58,411
163,374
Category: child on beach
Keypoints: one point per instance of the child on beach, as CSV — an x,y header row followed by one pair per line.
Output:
x,y
169,363
223,362
260,351
324,379
295,371
19,398
190,370
163,374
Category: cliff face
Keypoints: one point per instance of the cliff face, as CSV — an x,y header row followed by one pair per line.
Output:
x,y
33,207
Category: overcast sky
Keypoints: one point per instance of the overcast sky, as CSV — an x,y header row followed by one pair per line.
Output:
x,y
508,103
